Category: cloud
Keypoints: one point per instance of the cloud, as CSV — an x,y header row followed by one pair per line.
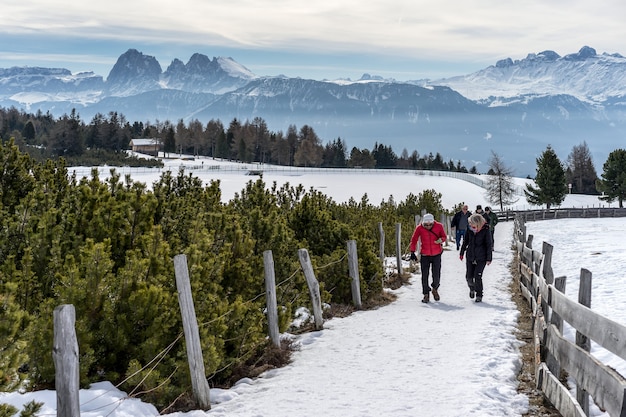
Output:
x,y
411,33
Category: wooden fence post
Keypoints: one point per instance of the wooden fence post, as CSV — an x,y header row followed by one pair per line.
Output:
x,y
544,270
553,365
418,220
199,383
314,287
547,272
381,245
353,269
559,284
399,247
446,221
66,364
270,297
582,341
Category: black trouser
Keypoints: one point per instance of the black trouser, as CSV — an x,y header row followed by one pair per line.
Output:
x,y
425,264
474,276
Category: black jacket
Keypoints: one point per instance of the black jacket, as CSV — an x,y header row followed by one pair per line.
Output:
x,y
457,217
478,245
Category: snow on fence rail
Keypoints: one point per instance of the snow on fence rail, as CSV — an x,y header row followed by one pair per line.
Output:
x,y
554,352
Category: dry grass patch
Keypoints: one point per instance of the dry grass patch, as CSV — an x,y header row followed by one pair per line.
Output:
x,y
538,404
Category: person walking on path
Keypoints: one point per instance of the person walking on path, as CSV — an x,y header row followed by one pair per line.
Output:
x,y
432,235
479,210
478,245
493,220
459,223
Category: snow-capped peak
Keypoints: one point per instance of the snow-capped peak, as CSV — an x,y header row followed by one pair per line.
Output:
x,y
235,69
585,75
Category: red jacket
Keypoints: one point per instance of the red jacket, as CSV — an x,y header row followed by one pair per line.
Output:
x,y
428,237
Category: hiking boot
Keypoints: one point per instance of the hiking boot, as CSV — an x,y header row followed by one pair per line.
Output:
x,y
472,293
426,298
435,294
479,299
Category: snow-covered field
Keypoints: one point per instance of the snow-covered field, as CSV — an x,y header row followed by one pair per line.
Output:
x,y
339,184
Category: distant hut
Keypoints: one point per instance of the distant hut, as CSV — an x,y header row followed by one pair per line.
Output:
x,y
150,146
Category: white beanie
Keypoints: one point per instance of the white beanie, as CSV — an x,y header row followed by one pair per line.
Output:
x,y
428,218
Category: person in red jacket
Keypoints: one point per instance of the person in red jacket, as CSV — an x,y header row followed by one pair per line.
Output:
x,y
431,235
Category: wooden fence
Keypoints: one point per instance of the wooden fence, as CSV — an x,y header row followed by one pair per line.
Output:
x,y
585,213
537,283
553,352
66,349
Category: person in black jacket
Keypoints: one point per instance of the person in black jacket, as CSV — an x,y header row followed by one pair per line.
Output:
x,y
459,222
479,210
493,220
478,245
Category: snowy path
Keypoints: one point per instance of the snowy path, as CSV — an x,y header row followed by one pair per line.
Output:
x,y
449,358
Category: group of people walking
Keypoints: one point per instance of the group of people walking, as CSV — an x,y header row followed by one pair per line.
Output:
x,y
474,238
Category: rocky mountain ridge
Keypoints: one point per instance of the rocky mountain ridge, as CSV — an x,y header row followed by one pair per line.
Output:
x,y
514,108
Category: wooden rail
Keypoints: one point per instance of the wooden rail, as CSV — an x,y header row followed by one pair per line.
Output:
x,y
565,213
555,352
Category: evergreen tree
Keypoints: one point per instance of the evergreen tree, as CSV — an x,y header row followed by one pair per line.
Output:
x,y
437,163
613,182
313,222
232,138
15,179
581,173
361,158
429,201
551,184
13,320
334,154
292,143
169,145
500,186
384,156
67,137
243,152
29,131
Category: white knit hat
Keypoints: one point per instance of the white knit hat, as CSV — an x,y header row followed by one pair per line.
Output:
x,y
428,218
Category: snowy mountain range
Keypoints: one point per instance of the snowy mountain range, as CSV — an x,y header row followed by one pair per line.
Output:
x,y
514,108
589,77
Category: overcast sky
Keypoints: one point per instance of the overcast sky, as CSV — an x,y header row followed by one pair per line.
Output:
x,y
321,39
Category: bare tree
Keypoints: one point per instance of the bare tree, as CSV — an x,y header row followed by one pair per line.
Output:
x,y
581,174
500,185
310,150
